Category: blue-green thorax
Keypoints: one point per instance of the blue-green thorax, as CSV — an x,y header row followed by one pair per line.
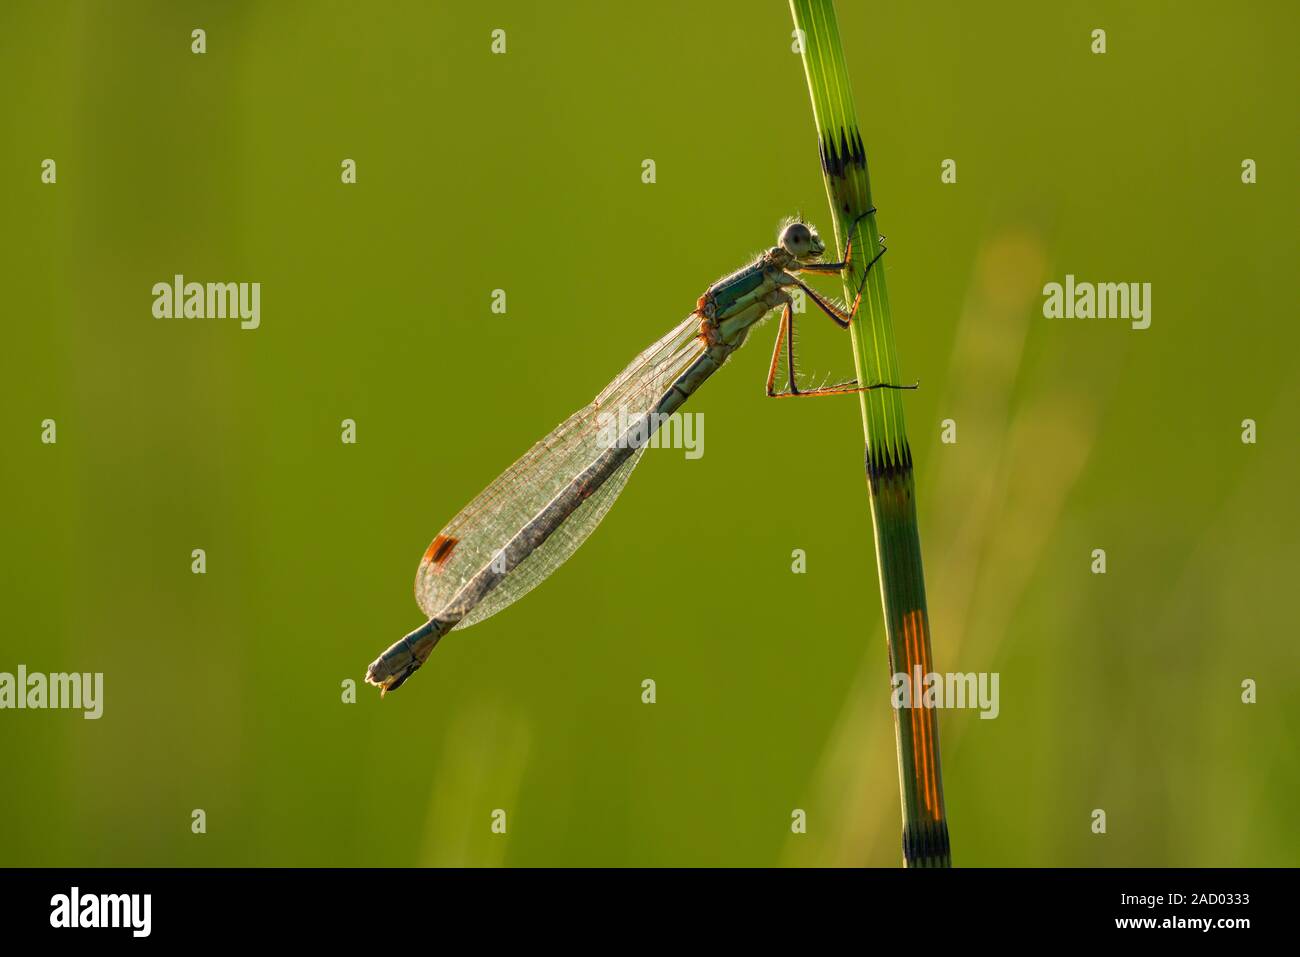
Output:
x,y
733,304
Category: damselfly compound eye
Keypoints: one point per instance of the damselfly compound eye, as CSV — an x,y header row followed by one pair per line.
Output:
x,y
796,238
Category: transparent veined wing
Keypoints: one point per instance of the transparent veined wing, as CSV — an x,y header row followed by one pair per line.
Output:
x,y
557,549
471,540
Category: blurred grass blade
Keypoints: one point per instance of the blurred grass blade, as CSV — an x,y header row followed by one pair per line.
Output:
x,y
888,458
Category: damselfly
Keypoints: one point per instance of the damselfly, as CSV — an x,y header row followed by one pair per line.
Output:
x,y
528,522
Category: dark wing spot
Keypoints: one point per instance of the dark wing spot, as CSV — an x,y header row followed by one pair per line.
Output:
x,y
440,549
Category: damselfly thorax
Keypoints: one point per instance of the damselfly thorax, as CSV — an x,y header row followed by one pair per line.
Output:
x,y
735,304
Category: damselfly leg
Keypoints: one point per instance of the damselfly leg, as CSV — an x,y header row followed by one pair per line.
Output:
x,y
841,317
837,312
785,335
848,251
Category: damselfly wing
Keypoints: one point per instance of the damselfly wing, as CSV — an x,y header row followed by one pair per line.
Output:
x,y
472,539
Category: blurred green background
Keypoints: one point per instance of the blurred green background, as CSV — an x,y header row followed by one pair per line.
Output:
x,y
523,172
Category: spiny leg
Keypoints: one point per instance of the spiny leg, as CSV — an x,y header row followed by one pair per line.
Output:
x,y
844,388
785,333
848,251
834,310
782,329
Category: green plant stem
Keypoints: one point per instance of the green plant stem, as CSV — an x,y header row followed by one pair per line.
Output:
x,y
888,457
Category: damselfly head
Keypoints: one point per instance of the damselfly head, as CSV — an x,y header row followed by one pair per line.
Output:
x,y
801,241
